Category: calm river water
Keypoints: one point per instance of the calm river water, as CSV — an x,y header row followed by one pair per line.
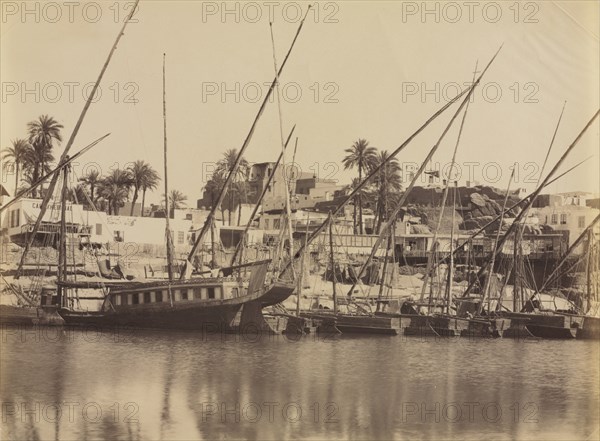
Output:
x,y
130,385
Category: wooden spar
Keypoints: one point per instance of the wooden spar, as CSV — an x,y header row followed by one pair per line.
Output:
x,y
302,264
419,172
62,244
486,289
530,201
293,165
518,252
286,183
239,247
450,281
168,236
444,198
512,207
569,251
588,270
238,160
40,181
376,169
332,263
384,269
65,153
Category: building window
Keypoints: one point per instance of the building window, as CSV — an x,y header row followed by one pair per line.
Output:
x,y
135,299
563,219
159,296
184,294
276,224
118,300
211,293
581,221
234,292
15,218
180,237
147,298
98,229
554,220
197,293
119,236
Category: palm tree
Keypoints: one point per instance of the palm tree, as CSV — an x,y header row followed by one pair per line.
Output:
x,y
92,179
362,156
176,200
143,177
213,187
388,182
17,154
225,166
149,182
115,189
42,133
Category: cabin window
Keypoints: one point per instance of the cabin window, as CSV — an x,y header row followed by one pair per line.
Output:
x,y
15,217
135,299
184,294
211,293
218,293
234,292
563,219
581,221
159,297
197,293
117,300
147,297
554,219
180,237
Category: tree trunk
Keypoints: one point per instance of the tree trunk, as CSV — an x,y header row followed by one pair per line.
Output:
x,y
143,200
133,201
230,207
16,177
354,230
360,212
92,188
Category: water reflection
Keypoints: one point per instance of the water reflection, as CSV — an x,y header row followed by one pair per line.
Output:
x,y
160,385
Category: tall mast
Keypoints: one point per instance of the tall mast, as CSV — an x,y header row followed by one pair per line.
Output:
x,y
167,204
451,264
65,153
240,246
514,225
286,182
235,167
302,264
332,263
430,255
62,245
486,289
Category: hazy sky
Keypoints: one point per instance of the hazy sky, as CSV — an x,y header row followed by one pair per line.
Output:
x,y
373,70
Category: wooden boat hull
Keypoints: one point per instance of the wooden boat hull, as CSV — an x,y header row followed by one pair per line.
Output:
x,y
240,314
590,329
486,328
29,315
356,324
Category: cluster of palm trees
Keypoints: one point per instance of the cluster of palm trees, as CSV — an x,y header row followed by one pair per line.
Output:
x,y
32,157
383,188
109,193
238,192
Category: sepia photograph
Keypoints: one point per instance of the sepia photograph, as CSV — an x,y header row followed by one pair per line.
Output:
x,y
299,220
